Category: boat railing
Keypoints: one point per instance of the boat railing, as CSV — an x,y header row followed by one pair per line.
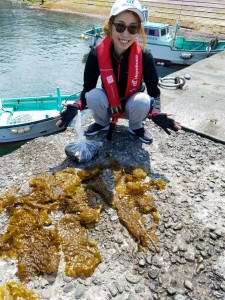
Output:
x,y
18,101
36,103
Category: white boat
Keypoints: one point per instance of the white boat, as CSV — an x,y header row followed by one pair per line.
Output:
x,y
27,118
165,45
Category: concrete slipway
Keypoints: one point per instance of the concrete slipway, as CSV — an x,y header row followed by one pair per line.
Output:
x,y
200,105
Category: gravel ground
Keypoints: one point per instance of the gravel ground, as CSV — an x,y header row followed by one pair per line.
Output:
x,y
190,263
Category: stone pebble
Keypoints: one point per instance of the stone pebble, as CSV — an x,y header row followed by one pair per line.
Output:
x,y
188,284
113,289
80,290
132,278
179,297
68,287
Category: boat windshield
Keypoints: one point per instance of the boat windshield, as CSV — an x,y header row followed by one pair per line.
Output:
x,y
152,32
164,31
157,31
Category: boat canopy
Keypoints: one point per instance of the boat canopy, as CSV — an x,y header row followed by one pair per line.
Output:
x,y
158,33
156,29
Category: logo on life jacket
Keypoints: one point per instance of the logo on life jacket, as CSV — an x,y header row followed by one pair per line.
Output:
x,y
135,80
110,79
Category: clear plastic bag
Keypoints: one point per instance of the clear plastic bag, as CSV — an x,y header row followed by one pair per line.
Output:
x,y
82,150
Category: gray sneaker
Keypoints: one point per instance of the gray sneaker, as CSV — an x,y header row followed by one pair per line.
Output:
x,y
95,128
143,135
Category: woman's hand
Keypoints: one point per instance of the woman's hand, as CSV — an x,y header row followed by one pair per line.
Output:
x,y
67,115
163,121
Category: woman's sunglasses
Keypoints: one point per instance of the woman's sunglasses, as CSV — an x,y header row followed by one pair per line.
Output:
x,y
132,29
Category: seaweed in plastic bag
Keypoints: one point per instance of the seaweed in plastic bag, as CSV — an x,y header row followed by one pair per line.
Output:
x,y
82,150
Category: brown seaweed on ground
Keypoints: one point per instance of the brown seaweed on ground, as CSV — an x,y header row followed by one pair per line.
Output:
x,y
13,290
35,239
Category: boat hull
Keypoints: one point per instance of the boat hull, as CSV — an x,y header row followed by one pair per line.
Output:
x,y
169,56
23,119
28,131
165,54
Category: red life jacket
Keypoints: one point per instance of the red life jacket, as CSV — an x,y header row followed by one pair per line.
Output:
x,y
108,77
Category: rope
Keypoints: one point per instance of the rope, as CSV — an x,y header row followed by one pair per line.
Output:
x,y
172,82
7,111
